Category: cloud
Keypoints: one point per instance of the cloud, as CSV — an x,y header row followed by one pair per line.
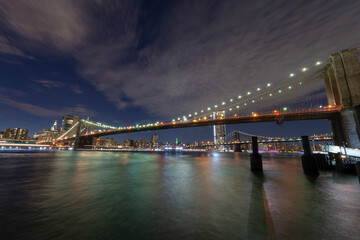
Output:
x,y
7,98
57,24
50,83
192,54
56,84
205,53
6,48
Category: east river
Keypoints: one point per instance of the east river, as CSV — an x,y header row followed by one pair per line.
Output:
x,y
129,195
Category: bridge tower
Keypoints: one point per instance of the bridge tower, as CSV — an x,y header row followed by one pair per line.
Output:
x,y
342,83
80,141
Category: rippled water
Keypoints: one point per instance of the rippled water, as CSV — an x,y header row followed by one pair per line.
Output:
x,y
99,195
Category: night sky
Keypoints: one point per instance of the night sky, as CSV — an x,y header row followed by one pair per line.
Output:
x,y
127,62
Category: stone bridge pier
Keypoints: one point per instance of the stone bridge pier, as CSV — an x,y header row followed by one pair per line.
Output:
x,y
342,83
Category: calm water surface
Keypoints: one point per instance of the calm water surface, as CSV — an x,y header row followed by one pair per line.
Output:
x,y
99,195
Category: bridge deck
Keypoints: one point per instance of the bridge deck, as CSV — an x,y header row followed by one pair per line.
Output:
x,y
286,116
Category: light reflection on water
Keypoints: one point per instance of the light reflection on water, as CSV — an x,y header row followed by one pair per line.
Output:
x,y
101,195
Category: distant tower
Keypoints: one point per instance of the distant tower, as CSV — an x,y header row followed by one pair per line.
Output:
x,y
154,140
68,121
219,130
54,127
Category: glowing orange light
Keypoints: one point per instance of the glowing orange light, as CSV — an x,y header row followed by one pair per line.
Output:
x,y
275,111
255,115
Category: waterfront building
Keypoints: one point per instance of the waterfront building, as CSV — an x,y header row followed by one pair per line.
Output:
x,y
2,134
142,143
106,142
48,135
219,130
128,143
16,133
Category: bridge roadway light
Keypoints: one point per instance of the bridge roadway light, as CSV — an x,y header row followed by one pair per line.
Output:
x,y
231,100
268,85
216,106
317,63
270,94
223,103
258,89
289,87
208,109
304,69
239,96
280,91
292,74
248,93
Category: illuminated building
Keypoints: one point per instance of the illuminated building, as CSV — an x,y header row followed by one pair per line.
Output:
x,y
106,142
54,127
142,143
128,143
68,121
154,140
219,130
16,133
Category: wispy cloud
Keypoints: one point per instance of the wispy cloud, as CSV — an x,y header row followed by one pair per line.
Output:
x,y
56,84
58,24
7,97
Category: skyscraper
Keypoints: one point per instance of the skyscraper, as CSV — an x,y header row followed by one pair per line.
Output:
x,y
54,127
219,130
16,133
154,140
68,121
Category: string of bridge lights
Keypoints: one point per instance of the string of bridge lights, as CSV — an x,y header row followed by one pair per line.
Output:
x,y
202,114
245,101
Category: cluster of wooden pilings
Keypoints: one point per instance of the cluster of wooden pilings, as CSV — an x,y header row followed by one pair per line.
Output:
x,y
311,163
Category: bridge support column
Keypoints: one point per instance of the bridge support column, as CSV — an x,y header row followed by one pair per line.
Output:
x,y
342,82
237,147
357,166
307,160
255,157
77,137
